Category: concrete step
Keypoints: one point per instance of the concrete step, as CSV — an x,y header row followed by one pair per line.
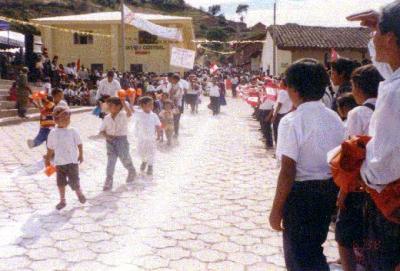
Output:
x,y
3,97
4,91
7,105
4,113
35,116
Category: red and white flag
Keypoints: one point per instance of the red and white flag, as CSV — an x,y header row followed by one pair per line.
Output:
x,y
213,68
334,55
141,23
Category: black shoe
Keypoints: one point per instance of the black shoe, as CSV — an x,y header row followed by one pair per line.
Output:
x,y
143,166
61,205
131,177
108,185
150,170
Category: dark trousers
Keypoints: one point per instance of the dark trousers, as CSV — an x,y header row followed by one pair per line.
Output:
x,y
306,218
234,92
381,240
266,127
21,108
177,120
276,125
215,105
41,137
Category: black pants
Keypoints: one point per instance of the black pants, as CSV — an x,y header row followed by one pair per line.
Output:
x,y
21,110
234,92
276,125
177,120
215,105
306,218
381,240
266,127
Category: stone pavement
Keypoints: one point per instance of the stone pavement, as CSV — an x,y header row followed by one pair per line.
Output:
x,y
205,208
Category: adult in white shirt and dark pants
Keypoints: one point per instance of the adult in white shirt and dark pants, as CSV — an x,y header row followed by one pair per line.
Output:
x,y
265,115
382,164
283,106
214,97
306,195
108,87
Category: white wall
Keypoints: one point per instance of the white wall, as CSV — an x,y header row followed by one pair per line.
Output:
x,y
283,60
267,54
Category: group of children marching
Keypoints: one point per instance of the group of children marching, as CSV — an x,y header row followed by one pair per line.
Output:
x,y
64,145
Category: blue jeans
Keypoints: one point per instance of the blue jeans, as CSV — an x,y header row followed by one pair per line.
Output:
x,y
118,147
41,137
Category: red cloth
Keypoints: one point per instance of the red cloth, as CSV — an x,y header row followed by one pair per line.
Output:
x,y
346,166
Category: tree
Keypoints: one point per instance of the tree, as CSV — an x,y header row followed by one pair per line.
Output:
x,y
214,9
241,10
219,34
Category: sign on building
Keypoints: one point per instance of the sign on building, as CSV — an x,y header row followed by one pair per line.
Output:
x,y
182,58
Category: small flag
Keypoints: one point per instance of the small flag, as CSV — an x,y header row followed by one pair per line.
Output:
x,y
334,55
214,68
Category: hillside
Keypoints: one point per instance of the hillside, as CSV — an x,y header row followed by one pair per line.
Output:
x,y
204,23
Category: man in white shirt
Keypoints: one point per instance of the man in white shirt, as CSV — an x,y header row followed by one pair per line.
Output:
x,y
382,164
265,114
215,97
108,86
282,106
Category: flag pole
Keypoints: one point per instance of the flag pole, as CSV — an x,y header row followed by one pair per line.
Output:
x,y
274,71
123,37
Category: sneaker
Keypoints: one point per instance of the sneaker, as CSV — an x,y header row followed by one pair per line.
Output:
x,y
131,177
82,198
31,144
150,170
108,185
61,205
143,166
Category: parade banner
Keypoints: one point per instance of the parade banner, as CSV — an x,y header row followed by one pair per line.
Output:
x,y
182,58
154,29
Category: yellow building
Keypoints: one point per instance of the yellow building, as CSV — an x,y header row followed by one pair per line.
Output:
x,y
144,52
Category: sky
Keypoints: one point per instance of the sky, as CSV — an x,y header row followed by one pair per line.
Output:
x,y
307,12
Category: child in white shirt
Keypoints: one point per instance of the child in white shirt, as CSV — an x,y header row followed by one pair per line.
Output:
x,y
147,124
115,130
64,143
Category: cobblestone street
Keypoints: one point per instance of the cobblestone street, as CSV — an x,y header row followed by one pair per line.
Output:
x,y
206,207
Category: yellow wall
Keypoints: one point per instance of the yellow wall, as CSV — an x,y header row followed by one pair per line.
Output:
x,y
108,51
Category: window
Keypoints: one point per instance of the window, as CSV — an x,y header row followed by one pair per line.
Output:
x,y
136,68
97,67
147,38
83,39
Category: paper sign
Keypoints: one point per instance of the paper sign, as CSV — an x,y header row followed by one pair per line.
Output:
x,y
182,58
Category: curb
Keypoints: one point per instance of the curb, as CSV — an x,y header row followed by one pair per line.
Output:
x,y
36,117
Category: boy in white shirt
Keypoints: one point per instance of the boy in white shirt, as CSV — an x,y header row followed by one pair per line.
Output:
x,y
305,196
350,222
215,94
65,145
282,106
115,129
147,125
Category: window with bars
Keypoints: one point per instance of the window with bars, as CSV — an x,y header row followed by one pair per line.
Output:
x,y
83,39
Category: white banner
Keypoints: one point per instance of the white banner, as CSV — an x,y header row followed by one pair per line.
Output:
x,y
154,29
182,58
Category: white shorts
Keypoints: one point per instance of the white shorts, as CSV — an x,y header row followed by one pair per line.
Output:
x,y
147,150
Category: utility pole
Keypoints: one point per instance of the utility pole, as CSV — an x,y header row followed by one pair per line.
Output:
x,y
123,37
274,68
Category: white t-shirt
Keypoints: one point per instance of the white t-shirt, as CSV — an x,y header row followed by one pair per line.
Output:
x,y
64,142
284,100
214,91
107,88
306,136
145,125
358,119
63,104
117,126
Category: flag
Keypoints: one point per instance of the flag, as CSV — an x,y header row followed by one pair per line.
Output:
x,y
137,21
334,55
213,68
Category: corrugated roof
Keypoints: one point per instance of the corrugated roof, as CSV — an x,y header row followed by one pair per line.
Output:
x,y
114,16
291,36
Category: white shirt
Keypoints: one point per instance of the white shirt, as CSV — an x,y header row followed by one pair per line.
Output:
x,y
184,84
306,136
64,142
146,124
268,102
284,100
214,91
117,126
107,88
358,119
382,164
176,93
62,103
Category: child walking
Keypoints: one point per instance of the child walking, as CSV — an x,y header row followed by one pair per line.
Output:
x,y
115,129
167,120
147,124
46,107
305,196
65,145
